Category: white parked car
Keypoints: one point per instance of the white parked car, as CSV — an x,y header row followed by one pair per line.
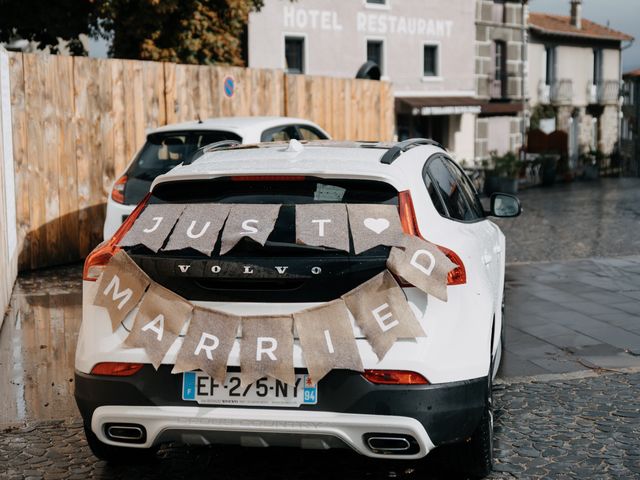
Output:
x,y
424,393
171,145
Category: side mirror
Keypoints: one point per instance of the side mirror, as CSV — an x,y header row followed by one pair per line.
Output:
x,y
504,205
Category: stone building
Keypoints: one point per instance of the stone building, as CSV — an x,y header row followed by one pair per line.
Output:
x,y
425,50
500,66
630,135
574,79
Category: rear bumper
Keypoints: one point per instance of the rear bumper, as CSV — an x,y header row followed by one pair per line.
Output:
x,y
348,407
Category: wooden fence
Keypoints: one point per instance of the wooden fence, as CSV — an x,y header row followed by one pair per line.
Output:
x,y
78,121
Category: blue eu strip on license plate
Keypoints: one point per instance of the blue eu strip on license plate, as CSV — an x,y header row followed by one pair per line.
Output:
x,y
189,386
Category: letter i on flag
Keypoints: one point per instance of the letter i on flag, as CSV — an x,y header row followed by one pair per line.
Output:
x,y
326,337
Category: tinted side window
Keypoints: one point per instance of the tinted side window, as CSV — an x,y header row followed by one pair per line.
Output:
x,y
449,190
468,192
279,134
310,133
435,197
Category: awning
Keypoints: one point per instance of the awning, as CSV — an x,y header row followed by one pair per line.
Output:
x,y
501,108
438,105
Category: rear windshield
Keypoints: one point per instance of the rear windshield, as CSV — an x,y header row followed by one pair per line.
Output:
x,y
163,151
287,193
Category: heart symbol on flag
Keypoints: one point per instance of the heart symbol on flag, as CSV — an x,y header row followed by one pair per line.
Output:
x,y
377,225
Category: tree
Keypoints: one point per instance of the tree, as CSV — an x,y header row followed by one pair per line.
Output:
x,y
184,31
46,22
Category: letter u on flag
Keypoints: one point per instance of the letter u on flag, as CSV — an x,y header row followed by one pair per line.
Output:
x,y
326,338
153,226
207,343
121,286
382,312
158,322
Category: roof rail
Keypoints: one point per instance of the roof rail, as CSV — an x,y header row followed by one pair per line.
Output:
x,y
210,148
390,155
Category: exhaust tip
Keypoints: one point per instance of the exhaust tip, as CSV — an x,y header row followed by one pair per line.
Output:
x,y
125,432
391,444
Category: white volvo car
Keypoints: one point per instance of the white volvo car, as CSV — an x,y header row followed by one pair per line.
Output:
x,y
171,145
423,394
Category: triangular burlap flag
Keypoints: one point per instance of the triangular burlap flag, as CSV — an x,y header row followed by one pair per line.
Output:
x,y
122,285
382,312
422,264
323,225
266,348
207,344
253,221
326,337
153,226
158,322
198,227
373,225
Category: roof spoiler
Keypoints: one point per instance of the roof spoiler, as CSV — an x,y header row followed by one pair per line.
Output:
x,y
390,155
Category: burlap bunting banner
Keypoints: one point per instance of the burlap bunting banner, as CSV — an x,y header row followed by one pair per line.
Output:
x,y
122,285
326,337
207,344
198,227
322,225
267,349
382,312
422,264
153,226
373,225
253,221
158,323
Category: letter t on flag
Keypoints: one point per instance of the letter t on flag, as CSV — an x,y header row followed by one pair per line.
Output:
x,y
326,337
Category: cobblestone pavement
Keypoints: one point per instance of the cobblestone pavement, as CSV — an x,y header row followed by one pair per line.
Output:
x,y
585,428
578,220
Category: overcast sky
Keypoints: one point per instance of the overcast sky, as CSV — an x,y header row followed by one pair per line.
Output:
x,y
622,15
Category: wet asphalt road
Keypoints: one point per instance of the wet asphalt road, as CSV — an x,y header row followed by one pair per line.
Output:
x,y
546,427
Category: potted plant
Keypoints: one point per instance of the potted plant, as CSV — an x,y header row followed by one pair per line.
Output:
x,y
508,168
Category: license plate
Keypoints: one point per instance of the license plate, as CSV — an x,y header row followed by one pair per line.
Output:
x,y
201,388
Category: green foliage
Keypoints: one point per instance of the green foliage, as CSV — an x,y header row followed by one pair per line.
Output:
x,y
507,165
183,31
46,22
540,112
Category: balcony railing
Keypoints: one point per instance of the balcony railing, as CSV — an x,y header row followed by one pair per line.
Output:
x,y
560,92
606,92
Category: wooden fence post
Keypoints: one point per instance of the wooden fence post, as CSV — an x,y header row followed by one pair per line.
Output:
x,y
8,225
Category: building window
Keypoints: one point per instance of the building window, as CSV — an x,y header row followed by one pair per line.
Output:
x,y
499,80
498,13
550,65
294,54
597,66
430,61
377,2
375,53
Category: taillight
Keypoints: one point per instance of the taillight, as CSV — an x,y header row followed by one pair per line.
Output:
x,y
394,377
116,369
117,193
457,276
268,178
100,256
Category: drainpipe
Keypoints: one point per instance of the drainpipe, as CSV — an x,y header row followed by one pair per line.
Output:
x,y
524,73
622,48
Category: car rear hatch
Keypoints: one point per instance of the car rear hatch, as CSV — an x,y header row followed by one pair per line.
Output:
x,y
280,272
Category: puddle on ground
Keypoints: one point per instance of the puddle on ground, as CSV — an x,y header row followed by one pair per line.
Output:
x,y
37,346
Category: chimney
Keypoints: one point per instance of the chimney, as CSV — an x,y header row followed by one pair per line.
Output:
x,y
576,13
